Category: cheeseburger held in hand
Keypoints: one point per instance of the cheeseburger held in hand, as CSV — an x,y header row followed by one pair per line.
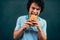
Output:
x,y
32,17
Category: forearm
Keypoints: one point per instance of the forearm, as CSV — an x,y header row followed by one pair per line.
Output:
x,y
41,35
18,33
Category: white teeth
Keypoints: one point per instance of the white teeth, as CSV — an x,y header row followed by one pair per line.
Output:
x,y
32,13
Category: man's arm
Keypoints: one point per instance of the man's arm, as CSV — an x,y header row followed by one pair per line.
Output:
x,y
41,35
18,33
41,31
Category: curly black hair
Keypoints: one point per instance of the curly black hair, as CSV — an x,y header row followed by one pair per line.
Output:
x,y
39,2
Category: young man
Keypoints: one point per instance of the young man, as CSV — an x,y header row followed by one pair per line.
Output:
x,y
31,29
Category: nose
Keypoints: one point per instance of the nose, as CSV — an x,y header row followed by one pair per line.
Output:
x,y
35,10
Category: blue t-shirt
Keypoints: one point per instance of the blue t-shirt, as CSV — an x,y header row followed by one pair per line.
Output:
x,y
32,32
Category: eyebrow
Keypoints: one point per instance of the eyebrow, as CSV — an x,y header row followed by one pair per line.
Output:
x,y
36,8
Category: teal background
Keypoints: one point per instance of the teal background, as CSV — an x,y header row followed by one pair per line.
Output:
x,y
10,10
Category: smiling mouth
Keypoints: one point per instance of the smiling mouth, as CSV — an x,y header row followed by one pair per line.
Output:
x,y
36,14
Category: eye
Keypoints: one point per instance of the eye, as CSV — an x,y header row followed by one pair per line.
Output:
x,y
38,9
33,8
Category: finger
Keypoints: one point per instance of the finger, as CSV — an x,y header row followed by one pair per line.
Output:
x,y
28,20
29,23
27,26
35,22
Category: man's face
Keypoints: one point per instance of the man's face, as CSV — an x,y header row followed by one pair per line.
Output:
x,y
34,9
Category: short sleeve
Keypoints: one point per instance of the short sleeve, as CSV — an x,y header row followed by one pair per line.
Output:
x,y
18,24
44,27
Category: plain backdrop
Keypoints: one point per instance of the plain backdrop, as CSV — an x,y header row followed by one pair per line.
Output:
x,y
10,10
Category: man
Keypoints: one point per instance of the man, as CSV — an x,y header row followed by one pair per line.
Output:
x,y
31,29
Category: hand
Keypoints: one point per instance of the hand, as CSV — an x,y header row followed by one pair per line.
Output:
x,y
36,23
27,24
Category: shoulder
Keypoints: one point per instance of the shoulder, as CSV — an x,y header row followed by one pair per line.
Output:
x,y
22,17
42,20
